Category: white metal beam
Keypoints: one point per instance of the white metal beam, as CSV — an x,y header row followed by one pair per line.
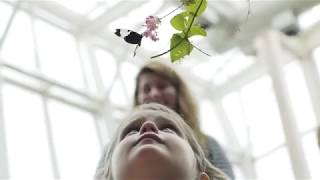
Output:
x,y
269,49
52,149
4,165
311,75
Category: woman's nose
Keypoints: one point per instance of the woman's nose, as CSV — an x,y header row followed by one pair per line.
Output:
x,y
155,92
149,126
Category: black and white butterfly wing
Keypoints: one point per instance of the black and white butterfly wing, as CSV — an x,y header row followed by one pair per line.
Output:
x,y
129,36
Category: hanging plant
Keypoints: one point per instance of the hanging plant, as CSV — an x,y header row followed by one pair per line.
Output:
x,y
183,22
180,45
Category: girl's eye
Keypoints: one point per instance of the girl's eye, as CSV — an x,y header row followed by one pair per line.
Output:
x,y
170,129
131,132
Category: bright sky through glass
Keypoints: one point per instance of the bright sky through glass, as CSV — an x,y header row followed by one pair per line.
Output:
x,y
79,6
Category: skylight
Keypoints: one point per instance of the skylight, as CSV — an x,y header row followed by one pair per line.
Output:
x,y
82,7
310,17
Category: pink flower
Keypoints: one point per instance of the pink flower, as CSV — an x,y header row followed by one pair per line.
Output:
x,y
152,25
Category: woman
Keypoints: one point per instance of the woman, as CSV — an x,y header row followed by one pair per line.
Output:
x,y
159,83
154,133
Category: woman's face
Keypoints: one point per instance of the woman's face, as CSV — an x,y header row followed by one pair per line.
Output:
x,y
155,88
153,146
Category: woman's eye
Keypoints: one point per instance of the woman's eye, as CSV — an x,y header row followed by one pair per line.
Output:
x,y
146,89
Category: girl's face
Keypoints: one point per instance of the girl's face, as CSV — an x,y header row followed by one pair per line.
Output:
x,y
153,146
155,88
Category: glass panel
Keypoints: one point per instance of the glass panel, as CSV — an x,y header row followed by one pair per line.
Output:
x,y
118,95
300,99
137,15
233,107
316,55
87,63
275,166
5,13
209,122
262,115
58,55
28,151
129,73
222,67
107,66
81,6
238,173
76,141
309,17
101,7
311,150
18,48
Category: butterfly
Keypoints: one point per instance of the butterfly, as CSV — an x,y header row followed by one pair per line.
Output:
x,y
130,37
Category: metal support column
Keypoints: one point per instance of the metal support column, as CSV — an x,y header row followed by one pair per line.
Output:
x,y
4,166
312,78
269,50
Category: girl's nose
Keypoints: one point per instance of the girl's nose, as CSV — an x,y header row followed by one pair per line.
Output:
x,y
149,126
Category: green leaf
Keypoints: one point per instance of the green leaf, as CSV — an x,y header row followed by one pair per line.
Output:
x,y
183,49
193,7
179,21
197,30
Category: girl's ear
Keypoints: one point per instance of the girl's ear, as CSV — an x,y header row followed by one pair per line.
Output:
x,y
204,176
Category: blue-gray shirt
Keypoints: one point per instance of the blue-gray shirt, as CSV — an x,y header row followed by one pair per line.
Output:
x,y
218,158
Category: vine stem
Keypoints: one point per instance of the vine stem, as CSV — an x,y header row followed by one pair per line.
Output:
x,y
171,12
200,50
185,36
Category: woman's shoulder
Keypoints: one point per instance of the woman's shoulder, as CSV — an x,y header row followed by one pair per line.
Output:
x,y
212,141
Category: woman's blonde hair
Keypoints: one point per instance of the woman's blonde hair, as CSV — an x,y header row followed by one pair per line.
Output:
x,y
203,164
187,108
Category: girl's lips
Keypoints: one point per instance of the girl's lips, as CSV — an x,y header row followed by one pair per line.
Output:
x,y
149,135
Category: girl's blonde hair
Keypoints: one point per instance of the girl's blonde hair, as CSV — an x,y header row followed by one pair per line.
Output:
x,y
203,164
186,108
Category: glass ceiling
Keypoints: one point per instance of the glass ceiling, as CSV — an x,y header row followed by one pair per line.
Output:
x,y
88,63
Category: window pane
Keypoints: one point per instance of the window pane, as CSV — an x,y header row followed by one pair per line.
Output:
x,y
107,66
118,95
275,166
262,115
58,55
18,48
309,17
80,7
5,13
129,73
234,110
311,150
316,55
28,150
75,140
210,122
299,97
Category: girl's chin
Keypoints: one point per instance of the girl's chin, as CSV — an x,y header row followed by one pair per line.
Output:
x,y
149,150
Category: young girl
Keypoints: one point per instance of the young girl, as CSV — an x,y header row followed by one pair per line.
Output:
x,y
159,83
154,143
